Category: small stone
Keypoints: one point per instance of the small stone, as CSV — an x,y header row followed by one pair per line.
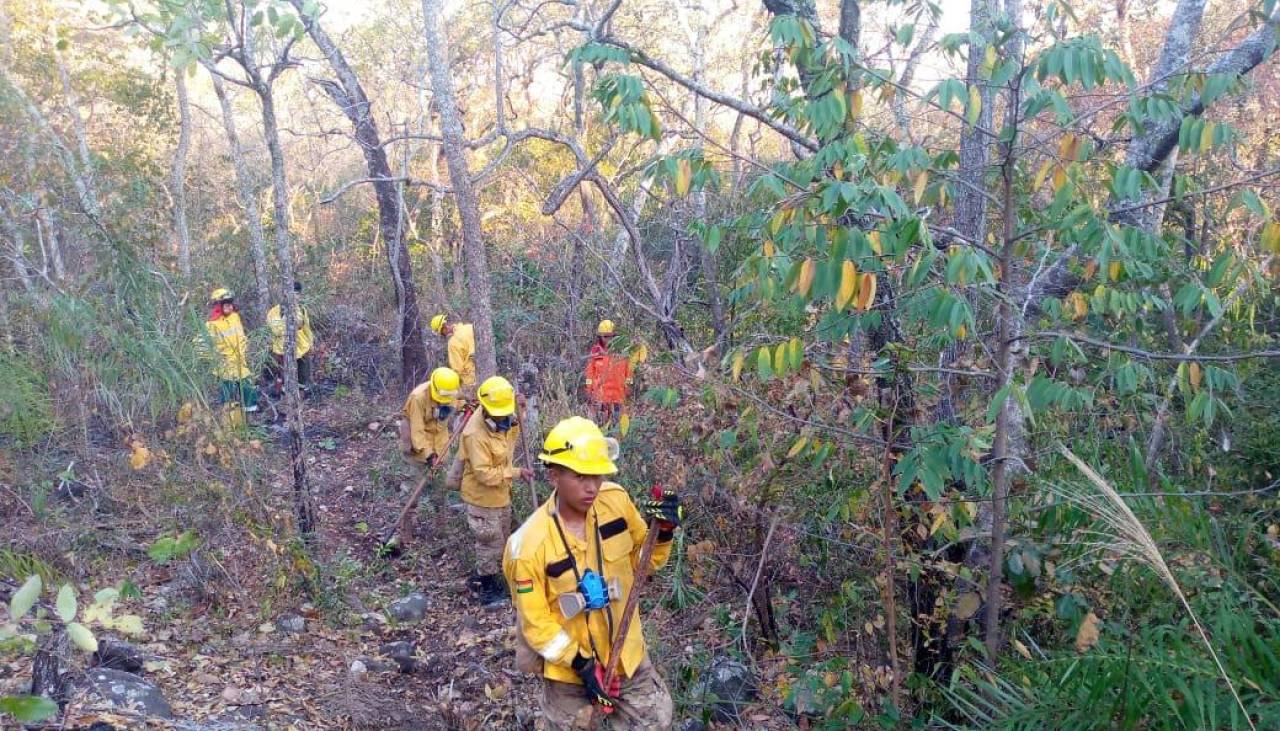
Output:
x,y
409,609
359,669
291,624
375,426
206,678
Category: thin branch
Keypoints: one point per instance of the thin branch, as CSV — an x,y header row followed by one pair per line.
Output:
x,y
1151,355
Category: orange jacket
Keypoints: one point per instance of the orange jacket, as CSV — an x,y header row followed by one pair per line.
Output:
x,y
607,378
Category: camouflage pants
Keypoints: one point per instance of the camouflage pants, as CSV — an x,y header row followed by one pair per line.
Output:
x,y
490,526
645,704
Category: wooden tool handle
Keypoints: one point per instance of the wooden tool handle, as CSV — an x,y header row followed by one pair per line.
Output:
x,y
633,597
402,524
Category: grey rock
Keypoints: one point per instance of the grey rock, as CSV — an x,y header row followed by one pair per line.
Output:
x,y
802,701
291,624
122,690
374,665
692,724
118,655
409,609
399,648
725,687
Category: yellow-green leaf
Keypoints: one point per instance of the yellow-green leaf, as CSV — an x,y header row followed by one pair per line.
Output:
x,y
967,605
917,189
780,359
855,104
1194,375
768,248
803,282
25,597
66,603
797,446
1271,237
739,358
975,106
1206,136
848,284
1042,174
1114,270
624,425
874,239
131,624
795,353
684,174
82,637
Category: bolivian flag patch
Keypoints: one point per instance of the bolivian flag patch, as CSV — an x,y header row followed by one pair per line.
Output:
x,y
524,586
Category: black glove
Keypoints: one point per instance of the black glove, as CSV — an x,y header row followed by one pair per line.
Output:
x,y
592,684
667,511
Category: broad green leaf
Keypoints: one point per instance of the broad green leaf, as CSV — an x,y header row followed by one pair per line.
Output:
x,y
82,637
66,604
25,597
131,624
28,708
764,365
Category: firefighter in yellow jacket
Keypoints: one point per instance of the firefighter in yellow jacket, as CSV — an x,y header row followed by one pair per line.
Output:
x,y
488,469
425,429
570,568
461,345
305,339
229,352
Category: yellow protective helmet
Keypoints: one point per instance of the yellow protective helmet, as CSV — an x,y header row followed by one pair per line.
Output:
x,y
444,385
577,443
220,294
605,327
437,323
497,396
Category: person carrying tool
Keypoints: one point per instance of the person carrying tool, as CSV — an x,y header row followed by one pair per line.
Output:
x,y
607,376
229,352
424,431
461,345
570,568
305,339
488,452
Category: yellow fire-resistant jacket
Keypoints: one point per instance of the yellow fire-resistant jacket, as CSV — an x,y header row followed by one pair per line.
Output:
x,y
428,434
462,351
487,463
230,345
275,321
538,571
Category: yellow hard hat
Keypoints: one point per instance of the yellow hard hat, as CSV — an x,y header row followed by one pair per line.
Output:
x,y
437,323
497,396
577,443
605,327
444,385
220,294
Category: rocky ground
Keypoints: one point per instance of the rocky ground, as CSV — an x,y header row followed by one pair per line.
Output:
x,y
394,643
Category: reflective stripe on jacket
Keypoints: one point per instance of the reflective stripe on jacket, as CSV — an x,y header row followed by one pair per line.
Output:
x,y
275,322
487,457
538,571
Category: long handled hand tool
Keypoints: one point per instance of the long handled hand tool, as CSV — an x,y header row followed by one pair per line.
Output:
x,y
404,526
633,598
528,459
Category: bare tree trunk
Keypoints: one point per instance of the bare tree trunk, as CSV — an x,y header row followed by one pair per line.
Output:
x,y
50,236
909,74
82,139
303,502
850,22
178,177
473,246
1008,446
16,253
248,200
350,96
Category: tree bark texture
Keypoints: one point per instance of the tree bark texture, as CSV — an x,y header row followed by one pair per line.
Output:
x,y
178,177
475,256
350,96
248,198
